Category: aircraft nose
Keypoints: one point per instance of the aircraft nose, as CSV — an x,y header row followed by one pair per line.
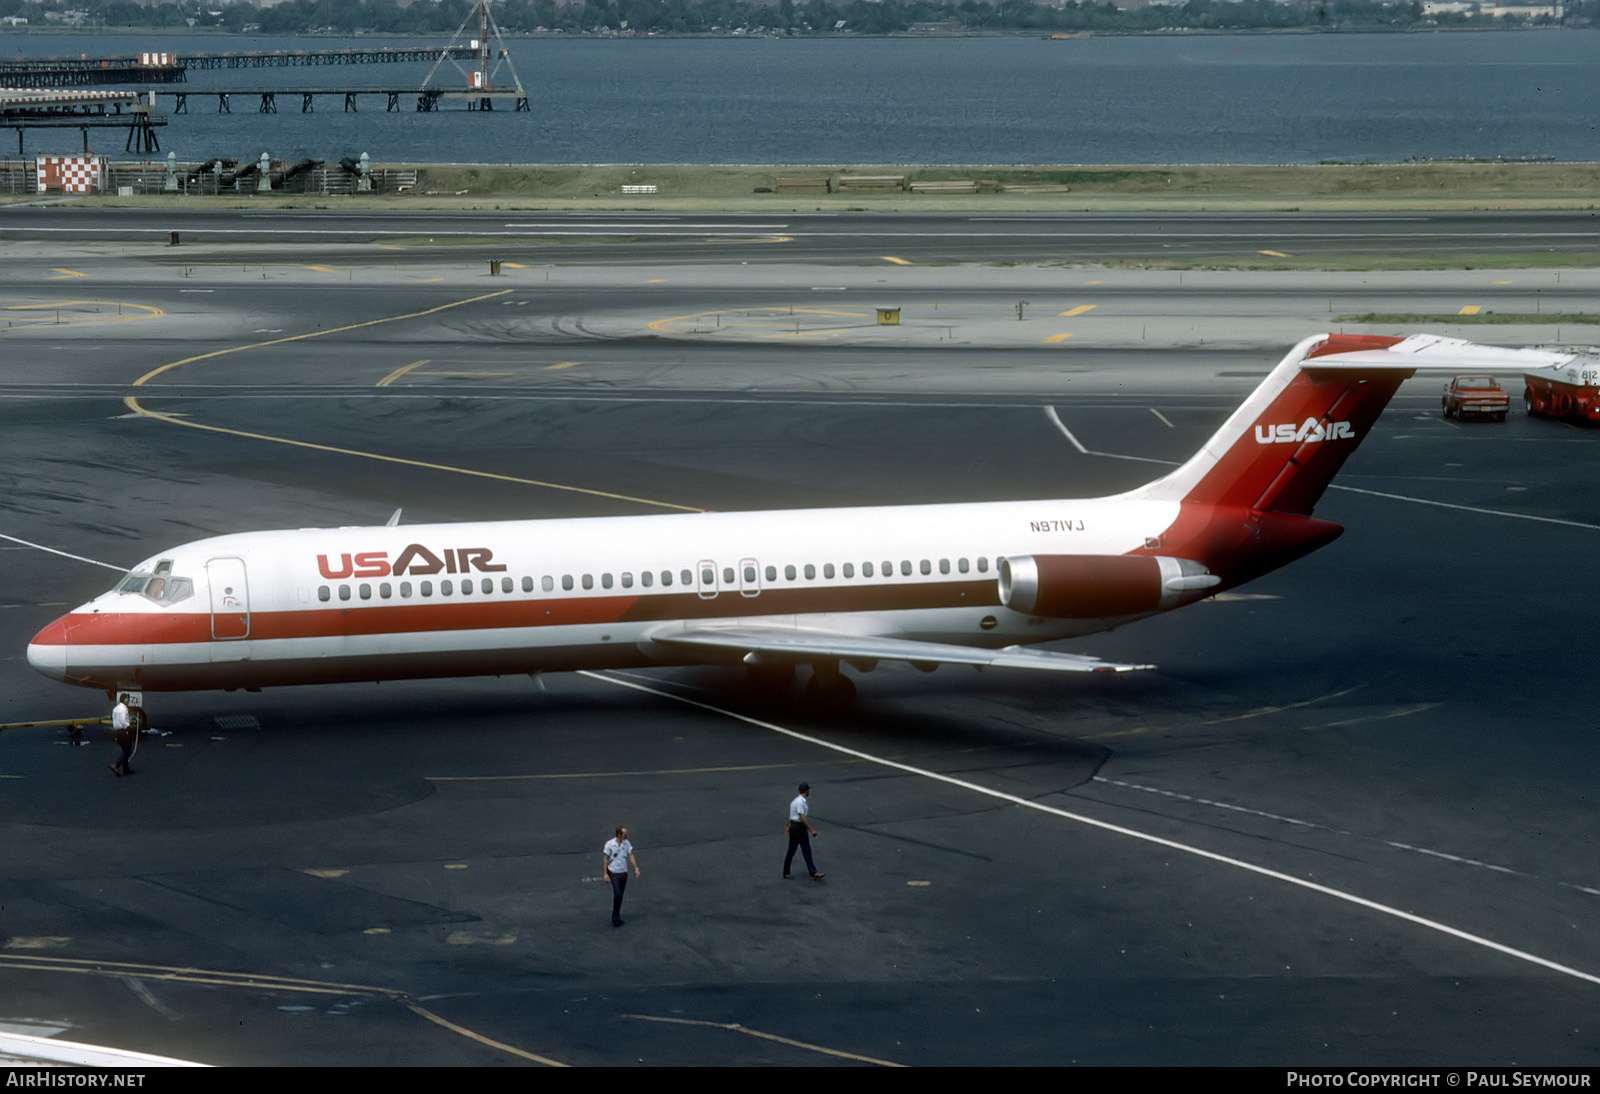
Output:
x,y
47,653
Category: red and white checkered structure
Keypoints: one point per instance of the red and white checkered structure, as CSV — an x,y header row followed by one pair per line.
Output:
x,y
71,174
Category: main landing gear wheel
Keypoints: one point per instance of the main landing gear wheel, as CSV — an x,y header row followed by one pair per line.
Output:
x,y
773,679
830,691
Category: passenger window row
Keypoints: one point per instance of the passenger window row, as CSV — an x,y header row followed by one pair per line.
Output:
x,y
467,587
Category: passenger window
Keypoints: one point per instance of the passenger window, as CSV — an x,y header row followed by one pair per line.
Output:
x,y
772,573
646,577
961,564
466,586
944,565
505,585
983,565
323,592
888,568
446,588
366,592
385,590
425,588
344,592
708,576
605,581
827,570
688,577
547,583
405,590
849,569
905,567
926,567
789,573
866,569
727,575
627,579
566,582
749,575
666,577
811,572
588,581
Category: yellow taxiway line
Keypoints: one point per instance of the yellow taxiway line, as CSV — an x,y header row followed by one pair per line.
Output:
x,y
133,404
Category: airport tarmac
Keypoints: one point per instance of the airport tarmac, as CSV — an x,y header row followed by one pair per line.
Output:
x,y
1347,820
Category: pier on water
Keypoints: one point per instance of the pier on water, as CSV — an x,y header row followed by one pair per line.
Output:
x,y
82,109
46,93
169,68
270,100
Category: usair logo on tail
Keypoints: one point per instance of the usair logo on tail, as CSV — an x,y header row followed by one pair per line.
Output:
x,y
1309,430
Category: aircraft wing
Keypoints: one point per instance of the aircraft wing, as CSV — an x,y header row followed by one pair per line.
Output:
x,y
756,645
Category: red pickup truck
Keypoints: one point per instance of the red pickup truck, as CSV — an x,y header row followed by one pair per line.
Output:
x,y
1478,395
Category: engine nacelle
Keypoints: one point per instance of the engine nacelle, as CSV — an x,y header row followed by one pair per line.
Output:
x,y
1099,586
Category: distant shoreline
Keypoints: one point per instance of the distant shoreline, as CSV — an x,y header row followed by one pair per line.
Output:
x,y
556,36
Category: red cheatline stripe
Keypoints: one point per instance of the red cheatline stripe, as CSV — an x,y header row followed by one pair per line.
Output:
x,y
358,617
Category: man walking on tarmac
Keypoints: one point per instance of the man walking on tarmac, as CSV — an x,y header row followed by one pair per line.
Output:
x,y
124,727
800,833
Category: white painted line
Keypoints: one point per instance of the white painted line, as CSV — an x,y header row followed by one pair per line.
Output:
x,y
1050,412
1470,508
1055,420
1131,833
1162,418
1458,859
63,554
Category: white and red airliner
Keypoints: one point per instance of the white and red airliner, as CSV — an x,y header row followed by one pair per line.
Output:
x,y
975,584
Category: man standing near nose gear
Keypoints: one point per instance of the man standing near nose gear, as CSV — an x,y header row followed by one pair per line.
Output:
x,y
125,727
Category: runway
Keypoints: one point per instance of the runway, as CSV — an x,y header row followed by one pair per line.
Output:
x,y
1348,820
852,237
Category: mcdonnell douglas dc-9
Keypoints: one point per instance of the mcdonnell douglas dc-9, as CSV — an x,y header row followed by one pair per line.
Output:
x,y
970,584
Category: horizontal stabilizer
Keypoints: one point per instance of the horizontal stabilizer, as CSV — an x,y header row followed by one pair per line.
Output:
x,y
1435,353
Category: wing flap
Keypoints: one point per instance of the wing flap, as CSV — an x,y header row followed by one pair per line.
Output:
x,y
756,645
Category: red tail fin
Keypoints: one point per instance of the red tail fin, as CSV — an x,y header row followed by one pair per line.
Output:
x,y
1283,446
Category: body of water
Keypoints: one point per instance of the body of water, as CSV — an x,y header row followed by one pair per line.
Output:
x,y
1278,98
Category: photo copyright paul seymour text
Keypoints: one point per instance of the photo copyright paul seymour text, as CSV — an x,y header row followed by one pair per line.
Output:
x,y
1460,1078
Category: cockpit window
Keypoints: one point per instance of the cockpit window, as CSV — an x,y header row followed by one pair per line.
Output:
x,y
160,587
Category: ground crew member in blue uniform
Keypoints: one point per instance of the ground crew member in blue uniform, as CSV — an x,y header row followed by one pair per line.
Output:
x,y
800,833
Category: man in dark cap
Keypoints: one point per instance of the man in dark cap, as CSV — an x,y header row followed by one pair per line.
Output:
x,y
800,833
